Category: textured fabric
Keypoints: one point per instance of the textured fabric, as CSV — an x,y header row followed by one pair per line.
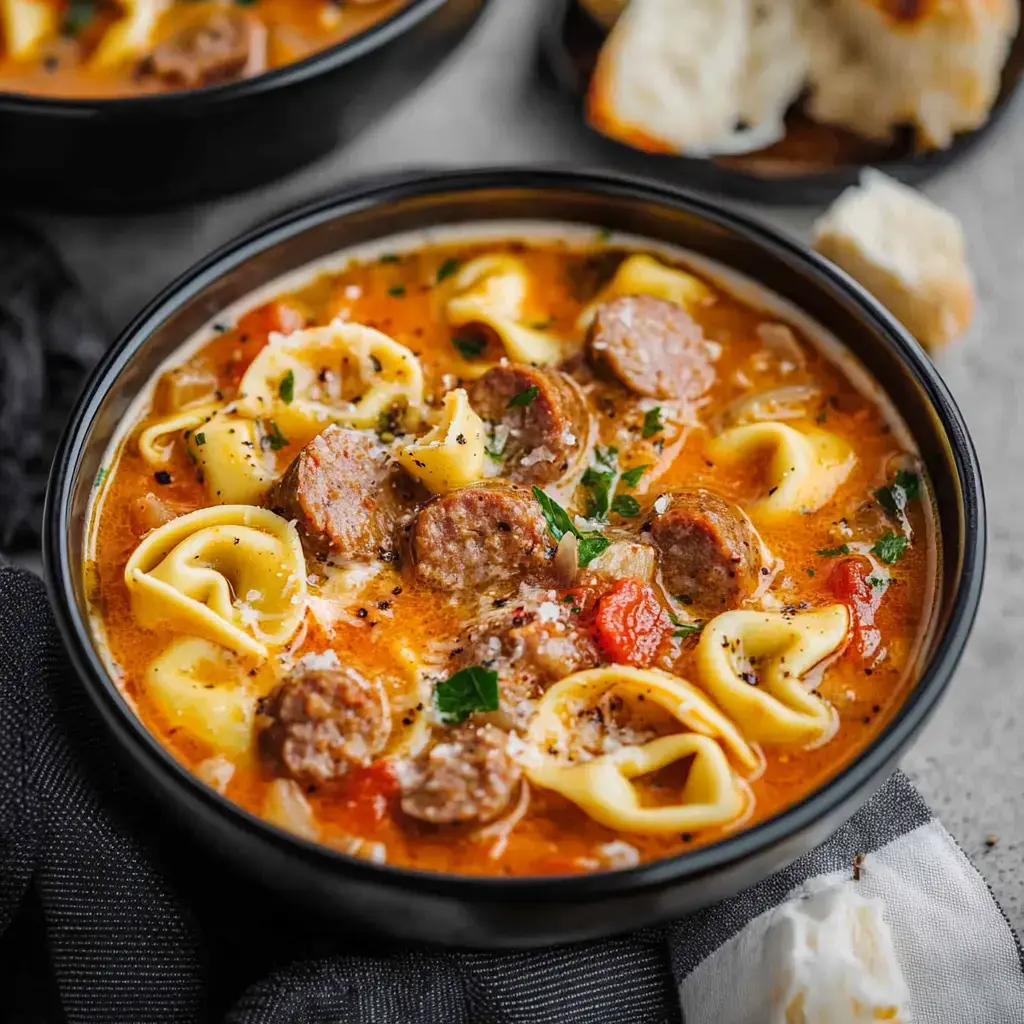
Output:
x,y
49,339
111,917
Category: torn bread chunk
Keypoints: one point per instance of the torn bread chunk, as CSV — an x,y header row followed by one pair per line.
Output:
x,y
904,249
701,78
878,64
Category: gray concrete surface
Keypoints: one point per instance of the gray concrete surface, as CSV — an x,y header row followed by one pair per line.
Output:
x,y
486,107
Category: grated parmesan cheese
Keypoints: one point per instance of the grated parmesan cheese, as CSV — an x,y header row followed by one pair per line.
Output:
x,y
319,662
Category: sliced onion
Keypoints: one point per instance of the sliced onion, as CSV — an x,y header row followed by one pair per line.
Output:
x,y
287,807
785,403
623,558
566,560
781,342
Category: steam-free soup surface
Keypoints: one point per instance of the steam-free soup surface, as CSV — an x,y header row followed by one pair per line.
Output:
x,y
105,48
515,559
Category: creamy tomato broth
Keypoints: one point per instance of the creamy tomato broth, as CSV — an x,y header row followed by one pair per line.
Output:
x,y
95,48
512,558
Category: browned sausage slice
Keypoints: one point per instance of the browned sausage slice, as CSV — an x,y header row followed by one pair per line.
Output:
x,y
710,554
321,722
227,45
654,347
346,494
546,427
480,536
467,776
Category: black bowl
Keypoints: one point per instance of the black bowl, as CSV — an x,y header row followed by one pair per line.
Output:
x,y
134,153
521,911
813,164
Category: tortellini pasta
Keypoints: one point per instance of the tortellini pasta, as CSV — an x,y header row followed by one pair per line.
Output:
x,y
452,454
804,468
343,373
156,441
644,275
753,665
205,690
602,786
26,25
229,450
492,291
233,574
130,37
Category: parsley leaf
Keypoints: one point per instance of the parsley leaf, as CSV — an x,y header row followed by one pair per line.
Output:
x,y
273,438
77,17
200,438
877,582
286,389
894,497
447,268
607,456
469,348
494,450
398,291
631,477
388,257
652,422
626,505
890,547
684,629
474,688
843,549
599,483
525,397
559,524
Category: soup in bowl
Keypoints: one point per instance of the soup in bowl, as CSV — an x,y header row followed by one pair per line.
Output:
x,y
514,548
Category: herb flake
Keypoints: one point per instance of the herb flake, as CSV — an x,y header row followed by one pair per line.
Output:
x,y
469,348
890,547
589,545
525,397
286,389
474,688
272,438
447,268
631,476
652,422
843,549
626,505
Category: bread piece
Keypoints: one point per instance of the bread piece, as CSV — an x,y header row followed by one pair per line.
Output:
x,y
906,251
702,77
933,64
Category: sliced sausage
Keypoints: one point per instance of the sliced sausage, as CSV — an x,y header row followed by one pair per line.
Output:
x,y
542,436
652,346
227,45
710,554
321,722
484,535
468,776
347,496
531,644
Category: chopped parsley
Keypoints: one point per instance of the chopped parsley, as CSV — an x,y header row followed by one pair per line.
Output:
x,y
286,389
525,397
77,17
447,268
469,348
388,257
101,474
626,505
398,291
877,582
599,484
272,438
905,487
494,450
810,572
631,477
604,234
589,545
843,549
474,688
200,438
652,422
890,547
607,456
543,325
684,629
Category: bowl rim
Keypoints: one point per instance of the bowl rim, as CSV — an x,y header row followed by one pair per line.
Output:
x,y
320,62
689,866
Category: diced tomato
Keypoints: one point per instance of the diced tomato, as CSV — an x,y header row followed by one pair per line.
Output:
x,y
369,793
630,623
849,582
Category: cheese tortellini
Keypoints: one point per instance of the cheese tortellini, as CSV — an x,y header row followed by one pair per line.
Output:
x,y
156,442
205,690
804,468
233,574
130,37
452,454
644,275
229,451
343,373
753,665
26,25
602,785
492,291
